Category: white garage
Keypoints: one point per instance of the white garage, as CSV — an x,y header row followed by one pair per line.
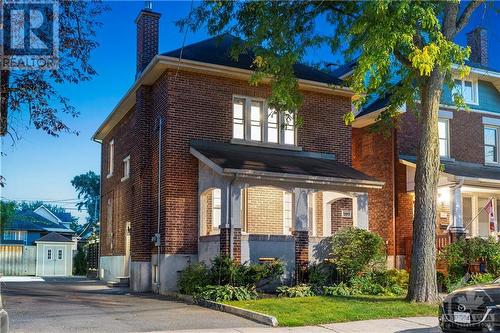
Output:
x,y
54,255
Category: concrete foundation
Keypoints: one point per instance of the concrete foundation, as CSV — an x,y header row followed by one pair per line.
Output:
x,y
170,267
140,276
111,267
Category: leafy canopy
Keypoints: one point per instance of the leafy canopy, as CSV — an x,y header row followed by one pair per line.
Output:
x,y
397,43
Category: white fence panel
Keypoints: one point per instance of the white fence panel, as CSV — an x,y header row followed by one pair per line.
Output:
x,y
17,260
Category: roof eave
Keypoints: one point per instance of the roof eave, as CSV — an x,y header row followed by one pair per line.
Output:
x,y
160,63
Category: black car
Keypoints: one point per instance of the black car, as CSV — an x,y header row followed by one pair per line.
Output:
x,y
472,309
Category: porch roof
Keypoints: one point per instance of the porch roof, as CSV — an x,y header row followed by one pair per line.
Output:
x,y
471,171
231,159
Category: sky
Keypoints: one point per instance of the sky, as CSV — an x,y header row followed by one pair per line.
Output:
x,y
40,167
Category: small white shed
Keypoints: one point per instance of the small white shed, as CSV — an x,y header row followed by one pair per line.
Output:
x,y
54,255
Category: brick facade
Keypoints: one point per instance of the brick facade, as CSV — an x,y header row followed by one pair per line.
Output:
x,y
264,211
195,106
339,222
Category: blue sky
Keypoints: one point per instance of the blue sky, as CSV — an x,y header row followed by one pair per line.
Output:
x,y
41,167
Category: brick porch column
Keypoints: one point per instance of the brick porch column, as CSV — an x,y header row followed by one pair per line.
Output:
x,y
231,217
301,231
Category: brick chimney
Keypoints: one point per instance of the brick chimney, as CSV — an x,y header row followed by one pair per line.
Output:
x,y
477,40
148,23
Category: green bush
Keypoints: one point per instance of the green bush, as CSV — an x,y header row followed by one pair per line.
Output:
x,y
81,264
225,293
356,250
461,254
301,290
382,283
322,274
481,278
225,271
340,289
193,277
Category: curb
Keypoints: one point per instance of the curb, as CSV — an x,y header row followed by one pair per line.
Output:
x,y
247,314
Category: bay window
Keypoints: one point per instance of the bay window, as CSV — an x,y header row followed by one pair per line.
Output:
x,y
254,121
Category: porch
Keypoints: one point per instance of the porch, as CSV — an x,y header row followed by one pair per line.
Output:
x,y
258,204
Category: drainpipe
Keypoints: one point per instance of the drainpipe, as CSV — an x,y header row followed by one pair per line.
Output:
x,y
394,194
229,212
158,237
99,218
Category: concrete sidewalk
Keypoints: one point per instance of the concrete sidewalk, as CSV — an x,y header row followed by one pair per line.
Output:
x,y
402,325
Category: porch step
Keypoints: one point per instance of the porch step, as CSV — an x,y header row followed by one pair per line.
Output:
x,y
120,282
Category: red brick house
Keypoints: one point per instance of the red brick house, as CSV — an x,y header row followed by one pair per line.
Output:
x,y
469,144
194,164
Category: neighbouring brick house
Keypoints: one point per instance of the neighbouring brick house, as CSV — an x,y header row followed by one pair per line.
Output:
x,y
469,143
194,164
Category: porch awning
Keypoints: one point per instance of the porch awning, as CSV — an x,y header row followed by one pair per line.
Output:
x,y
252,161
465,170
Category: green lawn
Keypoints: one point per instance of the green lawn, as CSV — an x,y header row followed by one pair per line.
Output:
x,y
321,309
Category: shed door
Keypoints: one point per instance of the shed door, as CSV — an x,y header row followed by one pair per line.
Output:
x,y
60,260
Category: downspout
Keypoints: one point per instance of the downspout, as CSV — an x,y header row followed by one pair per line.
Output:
x,y
100,207
158,237
229,217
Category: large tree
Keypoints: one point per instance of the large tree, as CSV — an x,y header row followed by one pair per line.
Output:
x,y
405,50
87,186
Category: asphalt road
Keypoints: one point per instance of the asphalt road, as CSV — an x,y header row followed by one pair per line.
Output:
x,y
81,305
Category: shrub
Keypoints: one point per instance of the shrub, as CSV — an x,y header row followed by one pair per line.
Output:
x,y
224,271
193,277
481,278
322,274
260,275
340,289
225,293
383,283
356,250
461,254
81,264
301,290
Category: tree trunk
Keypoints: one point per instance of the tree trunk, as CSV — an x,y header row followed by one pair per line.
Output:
x,y
4,97
423,286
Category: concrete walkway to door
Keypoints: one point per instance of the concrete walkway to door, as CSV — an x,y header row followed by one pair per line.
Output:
x,y
59,305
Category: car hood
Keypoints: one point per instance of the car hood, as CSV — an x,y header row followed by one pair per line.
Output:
x,y
477,294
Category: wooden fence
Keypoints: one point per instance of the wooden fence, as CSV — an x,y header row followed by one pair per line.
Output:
x,y
441,242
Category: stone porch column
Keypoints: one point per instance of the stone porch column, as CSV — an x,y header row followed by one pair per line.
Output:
x,y
457,229
300,231
230,231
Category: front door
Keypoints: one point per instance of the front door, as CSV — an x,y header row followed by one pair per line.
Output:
x,y
127,249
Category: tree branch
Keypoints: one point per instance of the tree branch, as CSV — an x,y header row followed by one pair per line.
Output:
x,y
464,18
402,59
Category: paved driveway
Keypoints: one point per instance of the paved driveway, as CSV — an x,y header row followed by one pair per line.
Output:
x,y
81,305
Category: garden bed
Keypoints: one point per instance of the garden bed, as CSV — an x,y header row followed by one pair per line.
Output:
x,y
325,309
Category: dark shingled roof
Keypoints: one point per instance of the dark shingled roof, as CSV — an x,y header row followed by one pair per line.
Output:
x,y
217,50
31,221
234,156
54,237
465,169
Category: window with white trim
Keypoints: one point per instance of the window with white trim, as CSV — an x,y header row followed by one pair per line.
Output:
x,y
491,144
49,254
126,168
16,235
216,208
468,90
254,121
59,254
111,156
444,137
287,213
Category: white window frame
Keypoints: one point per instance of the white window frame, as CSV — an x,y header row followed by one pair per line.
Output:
x,y
287,208
216,206
16,235
60,254
447,122
475,90
497,129
264,123
126,168
49,254
111,157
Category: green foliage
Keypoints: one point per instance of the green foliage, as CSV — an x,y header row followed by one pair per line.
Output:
x,y
7,210
80,262
340,289
322,274
356,250
479,278
225,293
461,254
226,272
193,277
301,290
87,186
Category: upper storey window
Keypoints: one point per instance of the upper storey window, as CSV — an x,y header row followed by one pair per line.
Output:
x,y
468,89
491,144
254,121
444,137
